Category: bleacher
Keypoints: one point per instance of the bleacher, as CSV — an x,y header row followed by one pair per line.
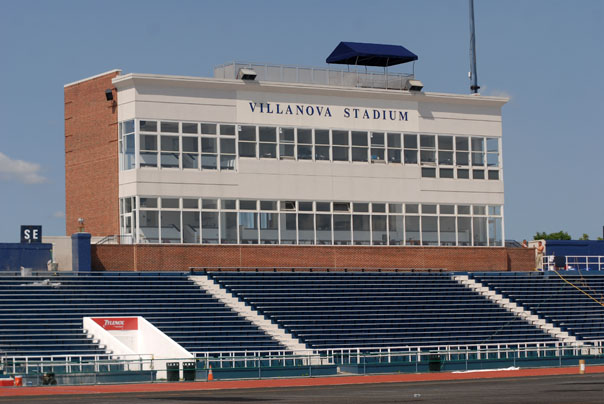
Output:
x,y
339,310
553,299
43,315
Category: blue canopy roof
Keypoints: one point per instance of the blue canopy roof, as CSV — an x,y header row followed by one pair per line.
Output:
x,y
370,54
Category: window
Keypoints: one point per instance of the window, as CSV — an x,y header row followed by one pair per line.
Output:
x,y
412,233
429,230
445,150
410,149
269,227
191,231
427,144
247,141
304,144
190,152
493,174
169,127
209,204
463,173
306,228
377,147
447,230
286,143
379,234
495,231
340,145
170,151
323,227
148,226
227,154
462,147
478,174
321,144
268,142
209,128
464,231
492,152
148,154
228,227
209,227
428,172
128,148
477,151
341,229
170,227
480,231
209,152
147,126
395,230
288,228
191,128
248,226
361,230
394,147
446,173
359,146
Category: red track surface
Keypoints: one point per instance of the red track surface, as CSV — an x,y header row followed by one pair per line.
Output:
x,y
256,384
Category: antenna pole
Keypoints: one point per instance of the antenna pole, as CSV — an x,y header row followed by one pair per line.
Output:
x,y
473,74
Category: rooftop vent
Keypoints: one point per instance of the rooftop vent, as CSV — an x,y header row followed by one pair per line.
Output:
x,y
413,85
246,74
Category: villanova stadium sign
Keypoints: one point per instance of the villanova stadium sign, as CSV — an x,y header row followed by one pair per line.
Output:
x,y
326,112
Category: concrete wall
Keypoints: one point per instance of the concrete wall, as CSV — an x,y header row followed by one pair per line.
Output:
x,y
61,250
181,257
13,256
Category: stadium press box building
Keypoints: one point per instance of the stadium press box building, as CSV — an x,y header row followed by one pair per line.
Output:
x,y
263,155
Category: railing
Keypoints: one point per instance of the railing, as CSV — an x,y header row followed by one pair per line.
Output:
x,y
576,262
316,75
117,239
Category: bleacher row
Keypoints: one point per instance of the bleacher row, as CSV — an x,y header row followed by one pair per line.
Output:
x,y
42,316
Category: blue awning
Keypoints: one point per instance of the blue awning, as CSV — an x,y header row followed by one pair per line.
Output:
x,y
370,54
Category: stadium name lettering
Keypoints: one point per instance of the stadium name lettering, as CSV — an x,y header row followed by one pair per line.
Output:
x,y
324,111
115,323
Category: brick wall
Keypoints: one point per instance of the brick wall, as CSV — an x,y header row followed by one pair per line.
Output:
x,y
91,157
181,257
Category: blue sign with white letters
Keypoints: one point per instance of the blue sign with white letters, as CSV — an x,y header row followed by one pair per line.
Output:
x,y
31,234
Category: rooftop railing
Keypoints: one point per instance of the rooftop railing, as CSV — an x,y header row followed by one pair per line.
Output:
x,y
317,75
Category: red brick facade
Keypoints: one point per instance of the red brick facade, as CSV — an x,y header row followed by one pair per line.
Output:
x,y
91,157
150,257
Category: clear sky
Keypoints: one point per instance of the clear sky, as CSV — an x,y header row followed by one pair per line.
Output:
x,y
547,56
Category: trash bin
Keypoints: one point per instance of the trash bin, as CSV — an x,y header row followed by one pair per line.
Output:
x,y
188,371
173,370
48,379
434,363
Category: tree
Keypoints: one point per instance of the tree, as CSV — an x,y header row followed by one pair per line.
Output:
x,y
585,236
561,235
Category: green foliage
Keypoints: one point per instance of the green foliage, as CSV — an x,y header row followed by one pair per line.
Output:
x,y
585,236
561,235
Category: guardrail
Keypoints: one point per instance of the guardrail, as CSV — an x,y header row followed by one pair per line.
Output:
x,y
575,262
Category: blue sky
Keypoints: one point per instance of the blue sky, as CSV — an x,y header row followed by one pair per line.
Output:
x,y
548,56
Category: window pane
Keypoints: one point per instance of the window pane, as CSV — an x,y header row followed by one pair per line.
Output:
x,y
477,144
323,207
227,162
478,174
394,140
445,157
169,160
321,152
495,233
430,209
428,172
209,128
410,141
170,203
412,230
190,225
445,143
340,153
479,210
410,156
395,207
190,160
306,228
492,159
268,134
493,174
227,146
323,228
462,158
463,209
411,208
247,133
304,152
427,141
269,228
148,142
248,226
361,231
148,202
494,210
492,145
378,229
286,135
305,206
428,156
190,204
148,159
477,159
377,154
288,228
148,226
446,173
359,154
228,204
464,231
268,150
395,230
305,136
447,230
359,138
228,227
340,137
394,155
322,136
360,207
378,207
170,127
461,143
190,128
209,204
286,151
247,149
377,139
463,173
189,144
208,145
209,227
447,209
341,229
480,231
147,126
169,143
268,205
248,205
429,230
228,130
170,227
208,162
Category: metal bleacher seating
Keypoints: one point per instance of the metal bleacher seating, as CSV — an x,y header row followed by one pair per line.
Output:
x,y
42,316
345,310
553,299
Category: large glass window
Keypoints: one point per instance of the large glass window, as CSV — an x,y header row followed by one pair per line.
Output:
x,y
429,230
128,145
148,226
462,151
379,232
378,147
323,228
447,231
464,231
361,230
477,151
341,229
268,142
288,228
269,227
209,152
427,152
248,227
228,227
227,153
410,148
359,146
209,227
170,151
322,144
190,152
170,226
247,141
445,150
148,154
395,230
412,233
394,147
191,231
495,231
340,145
306,228
286,143
304,144
480,231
